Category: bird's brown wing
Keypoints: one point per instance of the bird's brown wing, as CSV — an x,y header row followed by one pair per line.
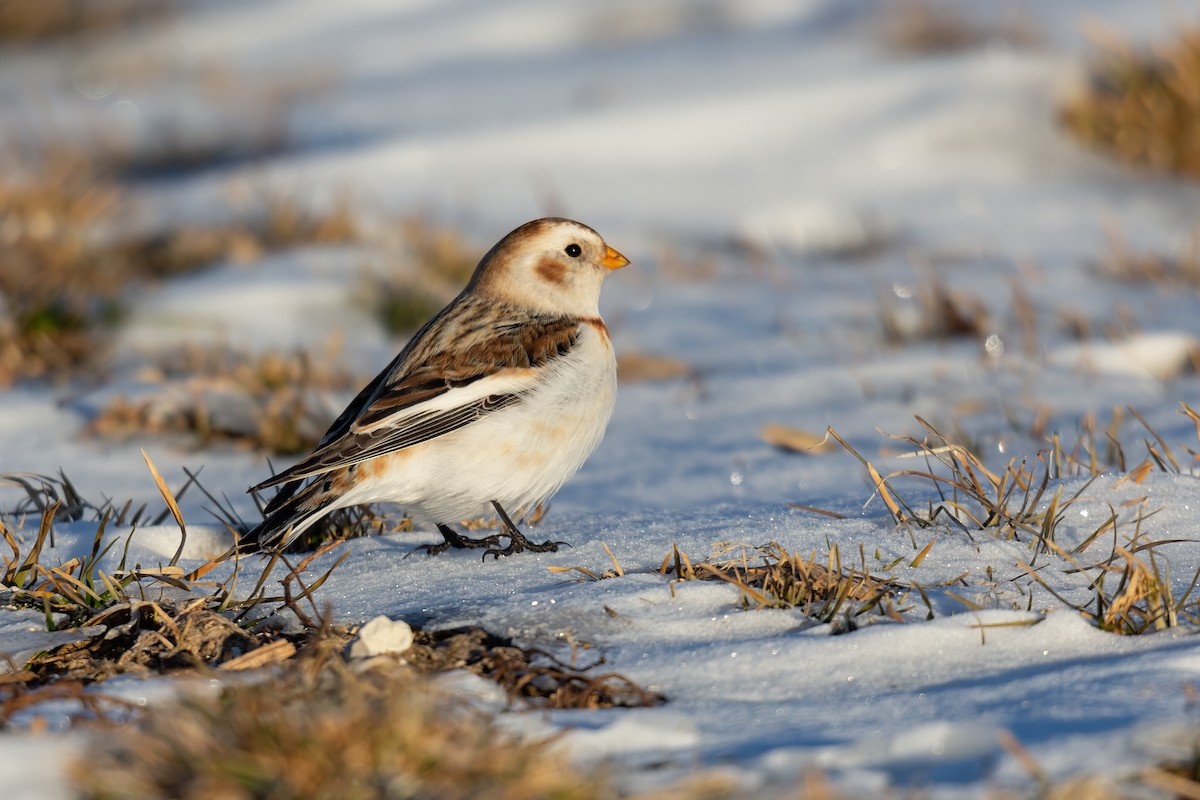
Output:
x,y
446,378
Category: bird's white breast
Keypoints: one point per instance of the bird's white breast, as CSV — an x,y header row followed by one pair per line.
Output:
x,y
518,456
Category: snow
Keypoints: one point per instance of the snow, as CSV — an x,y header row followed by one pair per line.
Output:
x,y
24,634
778,178
36,766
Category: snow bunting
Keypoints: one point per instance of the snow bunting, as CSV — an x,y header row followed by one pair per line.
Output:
x,y
493,404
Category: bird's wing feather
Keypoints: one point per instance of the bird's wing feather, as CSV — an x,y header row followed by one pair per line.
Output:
x,y
456,408
446,378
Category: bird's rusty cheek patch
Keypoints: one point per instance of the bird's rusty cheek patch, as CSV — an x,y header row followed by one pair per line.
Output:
x,y
552,271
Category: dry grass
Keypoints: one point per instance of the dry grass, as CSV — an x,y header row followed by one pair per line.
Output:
x,y
1131,586
1097,446
133,613
57,284
1099,449
130,625
1170,779
531,675
770,576
969,494
321,726
796,440
32,20
326,729
77,588
1143,108
923,27
145,637
929,308
438,263
270,401
275,222
635,367
1142,601
1178,780
931,311
1168,272
64,272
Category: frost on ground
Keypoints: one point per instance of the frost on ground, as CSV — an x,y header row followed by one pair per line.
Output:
x,y
825,233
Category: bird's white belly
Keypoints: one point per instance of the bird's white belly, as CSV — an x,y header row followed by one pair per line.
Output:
x,y
518,456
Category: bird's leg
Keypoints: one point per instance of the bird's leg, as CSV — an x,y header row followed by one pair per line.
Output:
x,y
516,540
456,540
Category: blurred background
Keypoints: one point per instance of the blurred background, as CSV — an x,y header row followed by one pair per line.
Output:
x,y
215,216
960,230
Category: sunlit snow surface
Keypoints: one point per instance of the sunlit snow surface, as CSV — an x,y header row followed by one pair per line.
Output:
x,y
774,140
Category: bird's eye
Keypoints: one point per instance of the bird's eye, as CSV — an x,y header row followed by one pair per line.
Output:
x,y
573,250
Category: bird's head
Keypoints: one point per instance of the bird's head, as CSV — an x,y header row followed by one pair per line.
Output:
x,y
550,265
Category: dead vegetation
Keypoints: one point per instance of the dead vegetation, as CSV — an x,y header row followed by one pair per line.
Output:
x,y
635,367
929,307
57,287
531,675
796,440
382,720
133,619
1131,587
1129,584
325,728
130,618
144,637
65,270
769,576
271,401
1143,108
438,263
69,257
1120,262
51,19
246,742
924,27
933,305
932,311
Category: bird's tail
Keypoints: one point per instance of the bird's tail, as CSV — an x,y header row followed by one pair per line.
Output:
x,y
288,514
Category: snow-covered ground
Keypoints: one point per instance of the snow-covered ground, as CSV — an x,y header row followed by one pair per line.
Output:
x,y
780,179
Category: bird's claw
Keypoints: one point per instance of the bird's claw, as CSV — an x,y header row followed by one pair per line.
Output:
x,y
429,549
458,542
519,544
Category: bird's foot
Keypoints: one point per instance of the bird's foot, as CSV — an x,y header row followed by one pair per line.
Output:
x,y
453,538
516,540
517,543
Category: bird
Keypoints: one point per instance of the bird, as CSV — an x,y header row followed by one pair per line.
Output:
x,y
492,405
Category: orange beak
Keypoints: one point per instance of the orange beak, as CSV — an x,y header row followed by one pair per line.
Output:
x,y
612,259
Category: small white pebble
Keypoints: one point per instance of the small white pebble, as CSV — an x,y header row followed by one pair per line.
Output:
x,y
381,635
